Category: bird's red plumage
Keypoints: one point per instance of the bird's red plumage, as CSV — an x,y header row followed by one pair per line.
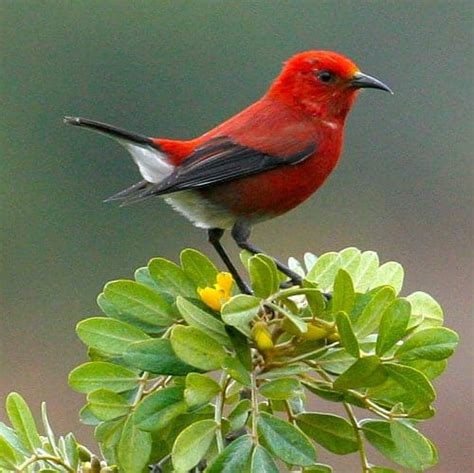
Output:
x,y
295,112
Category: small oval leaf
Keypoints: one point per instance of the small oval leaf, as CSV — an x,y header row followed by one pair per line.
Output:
x,y
192,444
102,375
197,348
285,440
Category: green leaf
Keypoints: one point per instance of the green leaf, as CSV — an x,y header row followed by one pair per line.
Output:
x,y
350,260
198,267
240,311
391,393
343,296
324,391
171,278
281,389
239,415
86,417
236,370
241,346
142,275
364,373
334,433
369,319
285,440
263,276
283,371
102,375
156,356
107,405
318,468
418,451
434,344
317,304
413,381
426,312
12,438
309,260
393,325
71,450
379,434
235,457
197,348
200,389
389,274
108,335
139,302
346,334
198,318
336,361
22,421
296,266
47,428
262,461
298,323
159,408
134,448
7,455
192,444
108,435
366,271
324,270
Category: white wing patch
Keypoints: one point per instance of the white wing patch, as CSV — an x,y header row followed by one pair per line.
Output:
x,y
154,165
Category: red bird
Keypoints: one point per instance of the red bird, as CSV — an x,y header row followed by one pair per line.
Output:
x,y
260,163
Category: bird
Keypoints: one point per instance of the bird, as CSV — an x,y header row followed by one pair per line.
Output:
x,y
260,163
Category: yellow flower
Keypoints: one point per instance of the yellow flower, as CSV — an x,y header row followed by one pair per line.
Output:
x,y
262,336
215,297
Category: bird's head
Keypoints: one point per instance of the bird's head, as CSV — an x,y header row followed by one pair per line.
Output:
x,y
322,83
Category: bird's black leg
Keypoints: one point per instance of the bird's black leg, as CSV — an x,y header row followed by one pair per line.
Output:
x,y
214,236
241,235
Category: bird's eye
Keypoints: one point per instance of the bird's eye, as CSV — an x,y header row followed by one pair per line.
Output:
x,y
325,76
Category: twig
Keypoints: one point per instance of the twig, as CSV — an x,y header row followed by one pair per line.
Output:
x,y
360,442
218,410
47,458
254,407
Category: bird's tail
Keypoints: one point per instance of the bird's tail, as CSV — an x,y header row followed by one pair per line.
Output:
x,y
110,130
152,161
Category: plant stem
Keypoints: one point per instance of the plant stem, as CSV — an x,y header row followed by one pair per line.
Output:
x,y
369,405
289,412
141,388
47,458
219,409
254,395
311,353
360,442
161,382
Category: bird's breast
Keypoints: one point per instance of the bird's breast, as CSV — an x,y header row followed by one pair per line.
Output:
x,y
272,193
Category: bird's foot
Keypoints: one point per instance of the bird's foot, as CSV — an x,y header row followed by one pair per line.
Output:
x,y
295,281
245,288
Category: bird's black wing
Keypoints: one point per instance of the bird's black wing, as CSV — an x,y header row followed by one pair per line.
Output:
x,y
217,161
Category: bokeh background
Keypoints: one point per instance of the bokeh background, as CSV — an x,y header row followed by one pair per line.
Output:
x,y
403,188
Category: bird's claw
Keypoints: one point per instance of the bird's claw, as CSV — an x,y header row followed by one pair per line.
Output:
x,y
291,282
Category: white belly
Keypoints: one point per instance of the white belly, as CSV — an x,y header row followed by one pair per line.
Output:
x,y
200,211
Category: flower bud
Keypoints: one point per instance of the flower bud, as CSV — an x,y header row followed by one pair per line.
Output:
x,y
262,336
315,332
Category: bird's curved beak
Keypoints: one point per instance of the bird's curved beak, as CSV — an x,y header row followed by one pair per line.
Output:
x,y
364,81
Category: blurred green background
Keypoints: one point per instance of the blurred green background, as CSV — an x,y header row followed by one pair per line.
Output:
x,y
403,188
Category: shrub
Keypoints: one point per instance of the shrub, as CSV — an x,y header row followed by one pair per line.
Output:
x,y
187,374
